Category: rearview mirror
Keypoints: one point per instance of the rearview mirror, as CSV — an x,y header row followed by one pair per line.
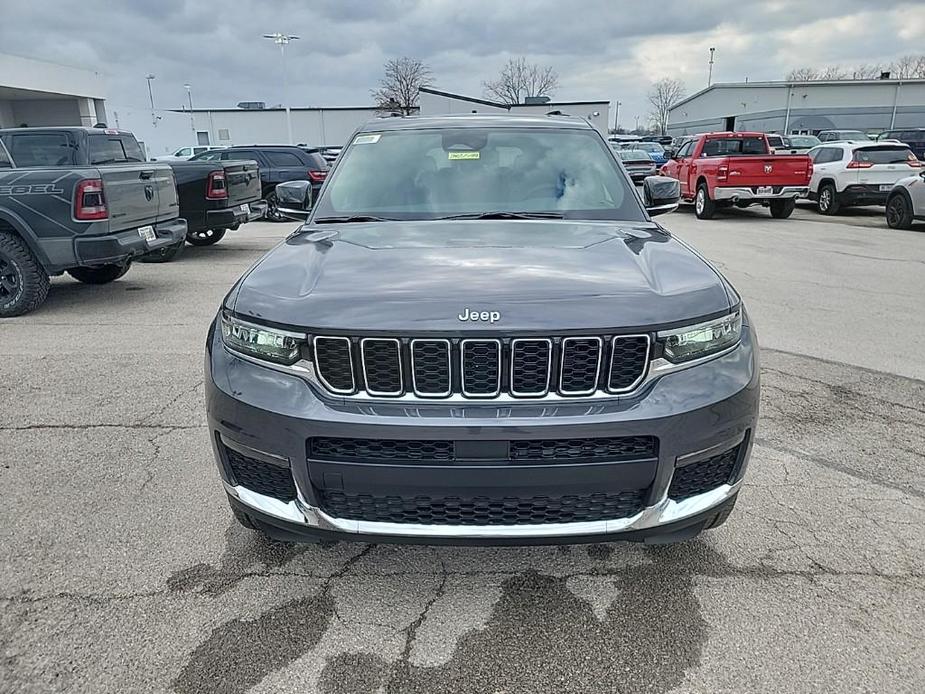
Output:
x,y
660,194
294,199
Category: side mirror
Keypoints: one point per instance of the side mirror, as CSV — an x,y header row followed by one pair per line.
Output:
x,y
294,199
660,194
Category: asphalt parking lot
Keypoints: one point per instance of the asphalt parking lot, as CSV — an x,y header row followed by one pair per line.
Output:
x,y
121,569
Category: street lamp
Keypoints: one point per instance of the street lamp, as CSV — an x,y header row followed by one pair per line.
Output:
x,y
150,78
616,118
192,121
282,40
710,74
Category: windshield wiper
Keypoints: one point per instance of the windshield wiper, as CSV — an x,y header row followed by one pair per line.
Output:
x,y
507,215
347,219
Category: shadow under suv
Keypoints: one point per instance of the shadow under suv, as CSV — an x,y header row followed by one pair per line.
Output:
x,y
480,336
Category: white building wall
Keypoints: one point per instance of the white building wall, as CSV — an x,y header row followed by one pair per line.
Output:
x,y
437,104
42,76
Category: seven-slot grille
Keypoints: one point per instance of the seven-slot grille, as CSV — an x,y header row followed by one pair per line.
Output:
x,y
523,367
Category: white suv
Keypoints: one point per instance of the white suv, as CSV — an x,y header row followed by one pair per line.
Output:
x,y
857,173
906,202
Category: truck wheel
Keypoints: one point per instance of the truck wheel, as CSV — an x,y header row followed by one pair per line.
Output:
x,y
781,209
164,255
828,199
104,274
273,214
23,281
704,208
898,212
207,237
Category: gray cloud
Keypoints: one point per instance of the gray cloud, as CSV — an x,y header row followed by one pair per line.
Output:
x,y
601,48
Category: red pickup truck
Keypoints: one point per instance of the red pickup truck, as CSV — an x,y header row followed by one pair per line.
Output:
x,y
718,170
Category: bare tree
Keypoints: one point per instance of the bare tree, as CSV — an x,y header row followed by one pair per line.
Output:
x,y
518,80
664,94
398,88
866,71
803,74
908,67
833,72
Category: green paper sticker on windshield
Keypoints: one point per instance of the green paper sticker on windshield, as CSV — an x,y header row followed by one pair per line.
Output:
x,y
453,156
366,139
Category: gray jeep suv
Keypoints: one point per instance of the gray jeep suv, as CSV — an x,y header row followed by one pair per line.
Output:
x,y
480,336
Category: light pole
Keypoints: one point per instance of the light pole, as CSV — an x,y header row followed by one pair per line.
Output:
x,y
150,78
616,117
710,73
637,124
282,40
192,121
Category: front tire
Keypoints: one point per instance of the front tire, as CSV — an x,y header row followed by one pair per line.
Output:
x,y
781,209
828,200
898,212
273,214
104,274
23,281
206,237
704,208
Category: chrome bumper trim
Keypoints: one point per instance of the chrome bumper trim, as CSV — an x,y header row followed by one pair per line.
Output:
x,y
664,512
731,193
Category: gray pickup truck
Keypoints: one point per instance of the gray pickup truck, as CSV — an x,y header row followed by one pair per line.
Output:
x,y
81,201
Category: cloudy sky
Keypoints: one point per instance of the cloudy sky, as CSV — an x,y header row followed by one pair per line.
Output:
x,y
602,49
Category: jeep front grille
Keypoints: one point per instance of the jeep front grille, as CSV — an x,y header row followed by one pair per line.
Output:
x,y
481,368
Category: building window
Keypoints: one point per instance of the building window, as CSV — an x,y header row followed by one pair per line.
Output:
x,y
202,137
223,134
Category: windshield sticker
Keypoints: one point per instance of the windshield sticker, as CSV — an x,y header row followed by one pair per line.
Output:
x,y
454,156
366,139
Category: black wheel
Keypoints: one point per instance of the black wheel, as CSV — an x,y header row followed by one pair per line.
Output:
x,y
206,237
828,199
781,209
898,212
23,282
273,214
243,519
704,208
104,274
722,516
164,255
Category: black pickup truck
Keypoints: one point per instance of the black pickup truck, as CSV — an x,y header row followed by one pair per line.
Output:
x,y
214,196
81,201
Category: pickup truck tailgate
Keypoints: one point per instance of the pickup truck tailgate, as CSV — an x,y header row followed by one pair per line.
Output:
x,y
139,194
769,170
242,178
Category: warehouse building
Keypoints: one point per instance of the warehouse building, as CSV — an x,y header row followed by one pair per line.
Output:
x,y
41,94
802,107
436,102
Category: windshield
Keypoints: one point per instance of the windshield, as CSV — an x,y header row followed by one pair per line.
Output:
x,y
852,135
430,174
883,155
804,140
649,147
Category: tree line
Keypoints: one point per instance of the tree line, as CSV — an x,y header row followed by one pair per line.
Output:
x,y
907,67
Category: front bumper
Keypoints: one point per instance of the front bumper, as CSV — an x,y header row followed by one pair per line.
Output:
x,y
751,193
235,216
271,415
117,248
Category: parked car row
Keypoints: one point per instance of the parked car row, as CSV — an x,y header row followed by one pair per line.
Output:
x,y
721,170
83,201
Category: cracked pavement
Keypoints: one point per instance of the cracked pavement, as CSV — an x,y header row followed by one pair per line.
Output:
x,y
121,569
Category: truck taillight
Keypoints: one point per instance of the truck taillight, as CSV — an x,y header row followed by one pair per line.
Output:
x,y
216,190
722,173
317,175
89,201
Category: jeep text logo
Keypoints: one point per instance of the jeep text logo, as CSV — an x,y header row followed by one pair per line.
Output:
x,y
490,316
40,189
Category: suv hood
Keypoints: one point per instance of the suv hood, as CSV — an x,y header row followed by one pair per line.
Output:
x,y
412,277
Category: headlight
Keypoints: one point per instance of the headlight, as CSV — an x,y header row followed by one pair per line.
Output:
x,y
262,342
703,339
